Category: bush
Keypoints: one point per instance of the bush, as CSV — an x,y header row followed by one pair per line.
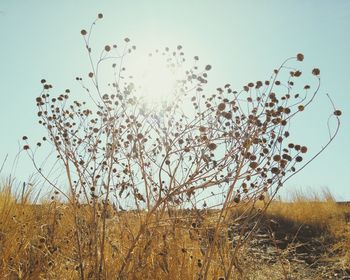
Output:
x,y
168,166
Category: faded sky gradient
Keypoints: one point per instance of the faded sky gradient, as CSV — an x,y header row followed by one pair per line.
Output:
x,y
243,41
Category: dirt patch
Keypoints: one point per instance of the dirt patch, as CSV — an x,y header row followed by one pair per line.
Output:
x,y
292,250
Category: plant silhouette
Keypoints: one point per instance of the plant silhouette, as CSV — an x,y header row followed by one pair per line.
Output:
x,y
197,157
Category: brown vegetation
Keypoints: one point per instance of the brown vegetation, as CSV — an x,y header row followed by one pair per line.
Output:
x,y
160,193
38,242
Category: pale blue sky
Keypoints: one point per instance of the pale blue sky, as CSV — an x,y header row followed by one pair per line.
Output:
x,y
243,41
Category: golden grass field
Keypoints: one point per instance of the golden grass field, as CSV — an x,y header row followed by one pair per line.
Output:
x,y
307,238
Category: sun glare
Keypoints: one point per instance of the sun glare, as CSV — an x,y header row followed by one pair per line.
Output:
x,y
156,81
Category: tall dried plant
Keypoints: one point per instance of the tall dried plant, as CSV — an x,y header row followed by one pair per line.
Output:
x,y
171,167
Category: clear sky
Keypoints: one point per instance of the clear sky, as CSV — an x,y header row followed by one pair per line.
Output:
x,y
243,41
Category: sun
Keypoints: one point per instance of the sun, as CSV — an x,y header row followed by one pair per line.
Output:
x,y
156,80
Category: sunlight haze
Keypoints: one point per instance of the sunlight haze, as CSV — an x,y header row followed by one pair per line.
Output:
x,y
243,41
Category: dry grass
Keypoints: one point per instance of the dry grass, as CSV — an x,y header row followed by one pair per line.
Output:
x,y
38,241
323,214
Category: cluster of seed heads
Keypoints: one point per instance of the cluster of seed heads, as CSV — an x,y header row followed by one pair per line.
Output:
x,y
230,137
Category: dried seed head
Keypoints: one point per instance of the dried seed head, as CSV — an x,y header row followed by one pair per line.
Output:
x,y
276,157
337,113
298,159
221,106
139,136
83,32
286,110
316,71
275,170
212,146
300,57
297,73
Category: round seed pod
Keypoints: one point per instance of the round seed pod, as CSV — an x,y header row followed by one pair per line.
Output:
x,y
276,157
237,199
316,71
221,106
337,113
212,146
300,57
275,170
139,136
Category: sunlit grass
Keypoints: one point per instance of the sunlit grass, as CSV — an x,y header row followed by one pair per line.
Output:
x,y
37,241
321,211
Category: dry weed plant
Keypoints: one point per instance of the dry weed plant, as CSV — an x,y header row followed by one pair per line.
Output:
x,y
151,194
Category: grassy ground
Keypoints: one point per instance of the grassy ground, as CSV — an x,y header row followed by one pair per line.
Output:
x,y
307,238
